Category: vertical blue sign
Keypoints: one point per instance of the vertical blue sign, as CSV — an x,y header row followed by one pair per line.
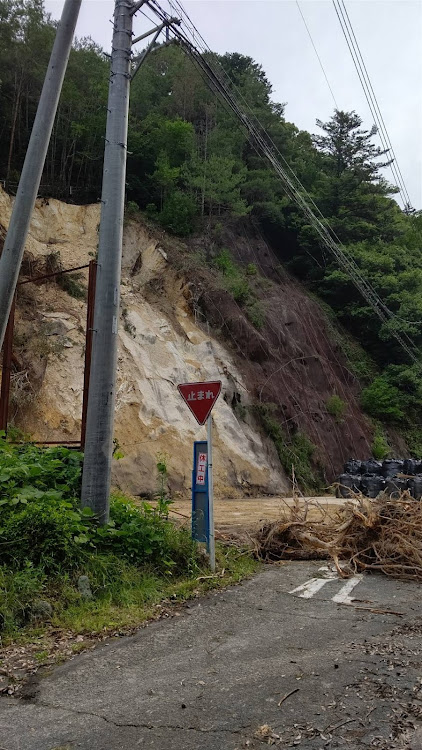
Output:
x,y
200,497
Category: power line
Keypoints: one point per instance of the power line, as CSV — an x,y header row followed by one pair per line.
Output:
x,y
376,103
264,146
378,305
316,52
368,89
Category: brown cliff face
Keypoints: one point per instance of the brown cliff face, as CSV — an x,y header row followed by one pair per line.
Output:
x,y
293,361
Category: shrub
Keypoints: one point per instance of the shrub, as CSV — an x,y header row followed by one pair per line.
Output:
x,y
132,208
69,282
381,400
235,280
380,447
256,314
224,262
18,589
294,450
251,269
27,467
178,213
336,407
41,522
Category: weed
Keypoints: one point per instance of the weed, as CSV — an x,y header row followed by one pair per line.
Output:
x,y
251,269
41,655
18,589
47,542
380,447
240,411
69,282
256,314
235,280
132,209
294,450
336,407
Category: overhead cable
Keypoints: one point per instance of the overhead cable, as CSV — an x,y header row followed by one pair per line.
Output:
x,y
294,189
317,54
370,96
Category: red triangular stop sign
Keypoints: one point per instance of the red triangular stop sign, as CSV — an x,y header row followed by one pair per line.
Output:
x,y
200,397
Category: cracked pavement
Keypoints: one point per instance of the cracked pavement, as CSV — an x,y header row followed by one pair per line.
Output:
x,y
219,675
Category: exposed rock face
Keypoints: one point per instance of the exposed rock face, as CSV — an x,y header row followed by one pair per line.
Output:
x,y
160,345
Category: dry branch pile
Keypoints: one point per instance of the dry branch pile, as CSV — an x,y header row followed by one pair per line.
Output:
x,y
378,535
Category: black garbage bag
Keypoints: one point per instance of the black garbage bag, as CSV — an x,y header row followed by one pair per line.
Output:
x,y
352,466
348,484
391,467
414,485
371,466
371,485
410,466
395,486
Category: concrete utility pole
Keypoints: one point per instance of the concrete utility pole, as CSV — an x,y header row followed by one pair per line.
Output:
x,y
102,392
96,475
14,245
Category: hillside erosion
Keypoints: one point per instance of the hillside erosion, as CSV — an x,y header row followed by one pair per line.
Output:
x,y
180,321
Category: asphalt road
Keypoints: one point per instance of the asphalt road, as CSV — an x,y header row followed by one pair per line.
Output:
x,y
219,675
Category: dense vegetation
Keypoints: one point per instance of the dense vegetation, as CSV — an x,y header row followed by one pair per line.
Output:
x,y
188,162
47,542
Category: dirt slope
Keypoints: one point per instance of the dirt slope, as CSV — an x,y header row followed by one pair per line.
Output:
x,y
178,324
160,345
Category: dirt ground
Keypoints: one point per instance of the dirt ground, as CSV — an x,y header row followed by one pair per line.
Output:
x,y
246,514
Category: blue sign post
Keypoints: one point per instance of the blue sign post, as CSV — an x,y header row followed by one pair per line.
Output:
x,y
200,493
200,398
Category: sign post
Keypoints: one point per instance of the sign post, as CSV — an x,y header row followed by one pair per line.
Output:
x,y
210,496
200,398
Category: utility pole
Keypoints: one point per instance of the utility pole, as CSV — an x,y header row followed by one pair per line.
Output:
x,y
102,392
14,245
96,476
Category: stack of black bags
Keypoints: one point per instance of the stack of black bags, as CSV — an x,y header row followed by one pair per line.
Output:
x,y
371,477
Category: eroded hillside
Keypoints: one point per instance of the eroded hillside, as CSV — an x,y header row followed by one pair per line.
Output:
x,y
182,320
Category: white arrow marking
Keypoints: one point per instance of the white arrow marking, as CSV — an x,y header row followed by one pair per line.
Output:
x,y
343,595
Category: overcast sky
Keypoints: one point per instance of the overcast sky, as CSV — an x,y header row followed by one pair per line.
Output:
x,y
272,32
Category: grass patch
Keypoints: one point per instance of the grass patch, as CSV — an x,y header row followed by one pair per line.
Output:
x,y
124,596
295,451
380,448
336,407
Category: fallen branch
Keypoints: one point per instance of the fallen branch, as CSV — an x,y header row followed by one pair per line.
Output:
x,y
382,535
284,698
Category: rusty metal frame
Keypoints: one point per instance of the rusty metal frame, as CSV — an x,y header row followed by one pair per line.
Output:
x,y
92,282
8,353
7,368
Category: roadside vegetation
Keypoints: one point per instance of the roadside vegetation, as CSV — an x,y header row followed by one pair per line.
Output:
x,y
59,568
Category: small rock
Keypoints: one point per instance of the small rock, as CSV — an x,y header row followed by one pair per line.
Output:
x,y
41,610
84,587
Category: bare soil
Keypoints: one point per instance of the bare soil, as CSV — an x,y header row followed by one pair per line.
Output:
x,y
247,514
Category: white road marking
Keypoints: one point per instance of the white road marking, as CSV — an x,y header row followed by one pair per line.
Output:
x,y
343,595
309,588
